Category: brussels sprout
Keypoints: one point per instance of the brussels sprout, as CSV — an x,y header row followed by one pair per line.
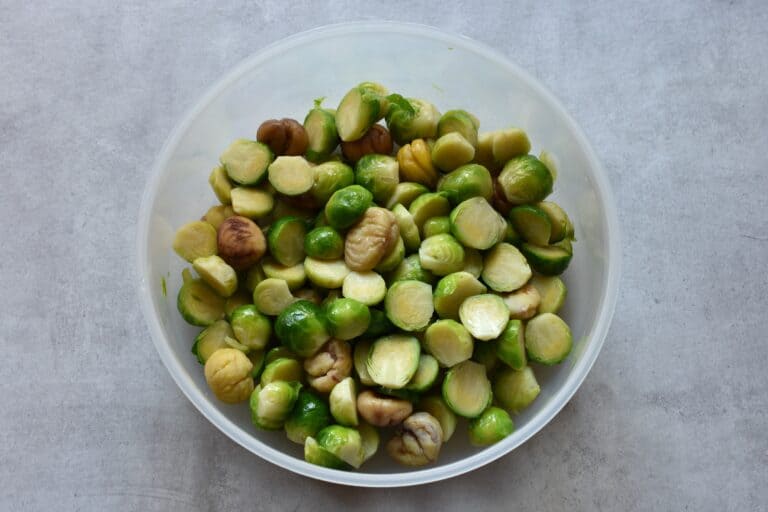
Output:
x,y
272,404
284,369
550,260
285,240
291,175
473,261
522,303
320,126
360,109
329,366
220,184
250,327
310,294
360,360
215,215
370,438
254,276
490,427
344,443
516,389
328,274
452,290
346,206
525,180
484,316
366,287
425,376
510,347
343,402
309,416
437,226
302,328
195,240
409,304
426,206
348,318
217,274
485,354
330,177
484,152
378,325
449,342
276,353
531,223
409,269
416,164
382,411
246,161
253,203
234,301
435,406
199,304
324,243
319,456
417,441
550,161
404,194
459,121
256,357
378,174
393,258
393,360
561,224
271,296
511,236
408,229
470,180
441,255
466,389
509,143
211,339
476,224
228,373
552,291
294,276
411,118
505,268
451,151
548,339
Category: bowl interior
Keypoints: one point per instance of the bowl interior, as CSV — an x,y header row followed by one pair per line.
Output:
x,y
452,72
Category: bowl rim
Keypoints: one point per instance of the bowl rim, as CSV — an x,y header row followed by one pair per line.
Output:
x,y
246,440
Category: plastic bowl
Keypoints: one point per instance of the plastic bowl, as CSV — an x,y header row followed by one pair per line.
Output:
x,y
452,71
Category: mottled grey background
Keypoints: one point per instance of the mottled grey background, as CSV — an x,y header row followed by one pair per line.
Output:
x,y
674,415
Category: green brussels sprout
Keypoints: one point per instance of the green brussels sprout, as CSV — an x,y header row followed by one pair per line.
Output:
x,y
378,174
525,180
410,268
467,181
319,456
286,369
461,122
322,137
343,442
309,416
250,327
346,206
302,328
411,118
441,254
285,240
449,342
404,194
379,324
194,240
211,339
271,404
330,177
452,151
359,109
234,301
324,243
476,224
343,402
437,226
348,318
276,353
491,427
515,389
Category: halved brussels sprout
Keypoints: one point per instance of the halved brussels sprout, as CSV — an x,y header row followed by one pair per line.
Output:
x,y
219,276
409,269
476,224
211,339
409,304
437,226
451,151
286,369
285,240
510,347
250,327
246,161
516,389
343,442
220,184
484,316
343,402
411,118
320,126
449,342
548,339
532,223
467,390
329,178
194,240
393,360
409,231
360,108
461,122
426,206
470,180
441,254
272,404
404,194
366,287
291,175
295,276
452,290
271,296
505,269
199,304
328,274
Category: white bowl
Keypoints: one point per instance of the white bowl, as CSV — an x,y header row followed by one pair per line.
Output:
x,y
452,71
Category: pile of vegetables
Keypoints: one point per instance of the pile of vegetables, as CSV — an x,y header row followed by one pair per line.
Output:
x,y
357,277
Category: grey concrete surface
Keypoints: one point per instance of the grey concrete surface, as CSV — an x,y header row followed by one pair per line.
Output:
x,y
674,415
